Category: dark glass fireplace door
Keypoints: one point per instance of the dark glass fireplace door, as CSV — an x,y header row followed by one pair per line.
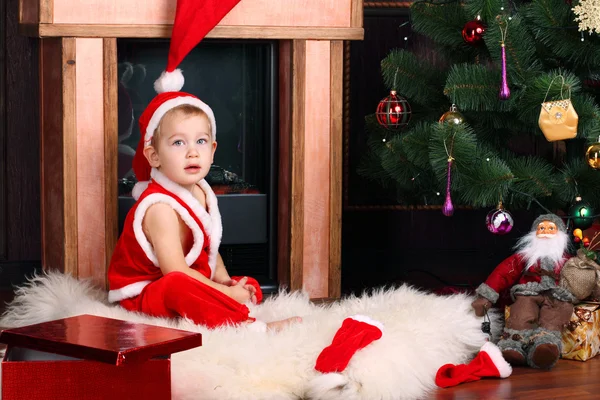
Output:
x,y
238,80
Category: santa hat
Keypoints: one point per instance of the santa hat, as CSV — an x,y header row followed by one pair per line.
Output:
x,y
488,363
560,225
193,20
355,333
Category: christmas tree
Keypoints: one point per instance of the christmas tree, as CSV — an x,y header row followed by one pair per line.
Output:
x,y
463,127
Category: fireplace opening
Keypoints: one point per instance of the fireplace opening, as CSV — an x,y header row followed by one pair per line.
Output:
x,y
238,80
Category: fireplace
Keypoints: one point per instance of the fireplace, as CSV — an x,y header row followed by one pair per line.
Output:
x,y
79,126
238,79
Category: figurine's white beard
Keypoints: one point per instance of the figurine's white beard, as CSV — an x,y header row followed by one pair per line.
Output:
x,y
533,248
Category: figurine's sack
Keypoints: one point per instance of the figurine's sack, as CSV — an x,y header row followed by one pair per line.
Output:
x,y
580,276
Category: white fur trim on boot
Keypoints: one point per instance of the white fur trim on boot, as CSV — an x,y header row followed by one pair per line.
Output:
x,y
500,363
368,320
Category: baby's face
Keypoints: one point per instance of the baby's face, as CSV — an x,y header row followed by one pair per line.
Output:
x,y
185,149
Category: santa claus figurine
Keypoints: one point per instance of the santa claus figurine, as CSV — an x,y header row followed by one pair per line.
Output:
x,y
541,308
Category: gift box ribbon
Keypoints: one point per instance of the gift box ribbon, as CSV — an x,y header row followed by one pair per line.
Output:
x,y
583,315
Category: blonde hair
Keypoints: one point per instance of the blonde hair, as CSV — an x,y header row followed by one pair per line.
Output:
x,y
184,110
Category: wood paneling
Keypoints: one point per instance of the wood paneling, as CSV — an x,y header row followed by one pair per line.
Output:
x,y
335,169
310,13
111,139
29,11
20,158
297,187
3,189
164,31
316,168
91,209
59,154
284,183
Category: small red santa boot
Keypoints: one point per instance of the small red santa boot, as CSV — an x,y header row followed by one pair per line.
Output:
x,y
488,363
355,333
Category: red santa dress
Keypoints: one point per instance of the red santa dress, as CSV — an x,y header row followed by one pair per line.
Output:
x,y
136,281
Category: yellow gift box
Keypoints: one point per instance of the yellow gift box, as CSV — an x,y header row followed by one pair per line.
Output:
x,y
581,337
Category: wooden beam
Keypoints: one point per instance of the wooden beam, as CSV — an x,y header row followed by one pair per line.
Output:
x,y
46,11
91,160
297,152
316,162
335,172
356,14
164,31
284,183
58,154
111,140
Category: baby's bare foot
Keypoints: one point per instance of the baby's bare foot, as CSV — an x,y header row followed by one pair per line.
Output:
x,y
277,326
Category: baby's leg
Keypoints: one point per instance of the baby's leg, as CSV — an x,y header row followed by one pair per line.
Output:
x,y
179,294
277,326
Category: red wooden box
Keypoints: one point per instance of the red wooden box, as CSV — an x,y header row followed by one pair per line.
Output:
x,y
89,357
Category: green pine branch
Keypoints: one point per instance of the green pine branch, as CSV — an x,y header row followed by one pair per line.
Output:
x,y
541,45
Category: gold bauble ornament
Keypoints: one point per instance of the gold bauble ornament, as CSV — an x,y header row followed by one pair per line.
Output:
x,y
453,116
592,155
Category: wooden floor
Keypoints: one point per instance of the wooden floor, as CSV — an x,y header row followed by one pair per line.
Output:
x,y
567,380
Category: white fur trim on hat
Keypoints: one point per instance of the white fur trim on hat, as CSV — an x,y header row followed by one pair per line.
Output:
x,y
169,81
138,189
172,103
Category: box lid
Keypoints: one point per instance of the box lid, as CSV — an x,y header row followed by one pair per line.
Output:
x,y
101,339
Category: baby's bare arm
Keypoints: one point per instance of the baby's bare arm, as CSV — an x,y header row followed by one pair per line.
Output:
x,y
221,274
161,227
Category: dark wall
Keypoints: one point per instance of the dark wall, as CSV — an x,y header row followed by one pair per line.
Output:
x,y
19,150
381,246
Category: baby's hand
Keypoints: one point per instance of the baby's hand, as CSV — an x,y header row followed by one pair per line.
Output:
x,y
252,291
230,282
239,292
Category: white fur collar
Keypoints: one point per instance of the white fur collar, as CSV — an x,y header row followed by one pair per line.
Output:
x,y
211,220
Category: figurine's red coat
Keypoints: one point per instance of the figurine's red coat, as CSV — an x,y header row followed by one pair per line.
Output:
x,y
512,271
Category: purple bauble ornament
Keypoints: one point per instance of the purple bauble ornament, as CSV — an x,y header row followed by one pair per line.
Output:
x,y
499,221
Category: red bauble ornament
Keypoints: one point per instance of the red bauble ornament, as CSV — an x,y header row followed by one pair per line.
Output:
x,y
393,112
473,32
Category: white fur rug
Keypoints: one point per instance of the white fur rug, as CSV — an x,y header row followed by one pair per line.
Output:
x,y
422,332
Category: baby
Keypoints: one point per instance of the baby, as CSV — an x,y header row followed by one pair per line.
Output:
x,y
166,262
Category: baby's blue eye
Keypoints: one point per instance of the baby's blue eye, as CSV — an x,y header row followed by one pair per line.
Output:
x,y
178,142
201,141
